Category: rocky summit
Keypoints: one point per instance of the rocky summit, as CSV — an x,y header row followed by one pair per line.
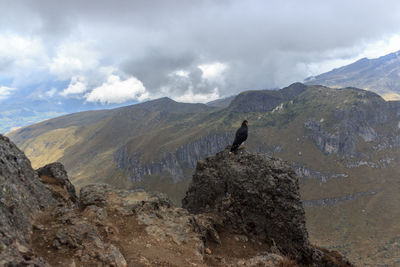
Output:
x,y
242,210
255,195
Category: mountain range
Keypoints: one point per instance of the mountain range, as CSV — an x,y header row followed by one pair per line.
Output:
x,y
380,75
343,144
19,111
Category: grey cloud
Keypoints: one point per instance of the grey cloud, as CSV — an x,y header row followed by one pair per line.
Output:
x,y
6,63
154,68
262,42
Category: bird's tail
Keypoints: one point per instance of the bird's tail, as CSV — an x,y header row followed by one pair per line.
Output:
x,y
234,147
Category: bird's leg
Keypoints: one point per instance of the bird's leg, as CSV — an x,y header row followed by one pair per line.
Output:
x,y
242,146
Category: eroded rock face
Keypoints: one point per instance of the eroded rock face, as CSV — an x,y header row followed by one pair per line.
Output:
x,y
256,195
21,195
174,162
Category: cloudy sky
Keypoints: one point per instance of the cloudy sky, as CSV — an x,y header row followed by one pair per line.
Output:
x,y
113,52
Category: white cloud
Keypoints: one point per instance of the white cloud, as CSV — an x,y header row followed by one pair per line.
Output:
x,y
73,58
192,97
382,47
76,86
51,92
213,72
24,54
116,91
317,68
5,92
23,48
181,73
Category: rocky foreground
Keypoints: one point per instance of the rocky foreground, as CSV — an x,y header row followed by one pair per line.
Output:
x,y
241,210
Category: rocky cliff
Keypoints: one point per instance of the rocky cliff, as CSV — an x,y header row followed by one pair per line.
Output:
x,y
173,163
251,216
21,196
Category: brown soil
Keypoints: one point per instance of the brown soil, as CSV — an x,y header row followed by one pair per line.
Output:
x,y
232,249
44,230
124,232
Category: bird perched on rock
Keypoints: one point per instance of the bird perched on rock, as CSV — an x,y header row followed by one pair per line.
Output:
x,y
240,136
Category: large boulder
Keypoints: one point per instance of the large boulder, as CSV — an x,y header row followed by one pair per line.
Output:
x,y
55,175
255,195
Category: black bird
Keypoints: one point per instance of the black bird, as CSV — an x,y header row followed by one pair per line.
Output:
x,y
240,136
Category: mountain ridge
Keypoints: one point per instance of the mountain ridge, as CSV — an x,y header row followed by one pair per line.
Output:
x,y
380,75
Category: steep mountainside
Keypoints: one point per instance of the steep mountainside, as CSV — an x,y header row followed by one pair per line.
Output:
x,y
221,103
94,136
43,223
380,75
342,143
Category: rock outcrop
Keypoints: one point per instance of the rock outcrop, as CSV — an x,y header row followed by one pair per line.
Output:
x,y
255,195
55,175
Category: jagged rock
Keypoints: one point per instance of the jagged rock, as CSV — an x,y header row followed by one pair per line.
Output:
x,y
21,195
55,175
256,195
85,237
126,201
206,226
326,258
95,194
154,211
